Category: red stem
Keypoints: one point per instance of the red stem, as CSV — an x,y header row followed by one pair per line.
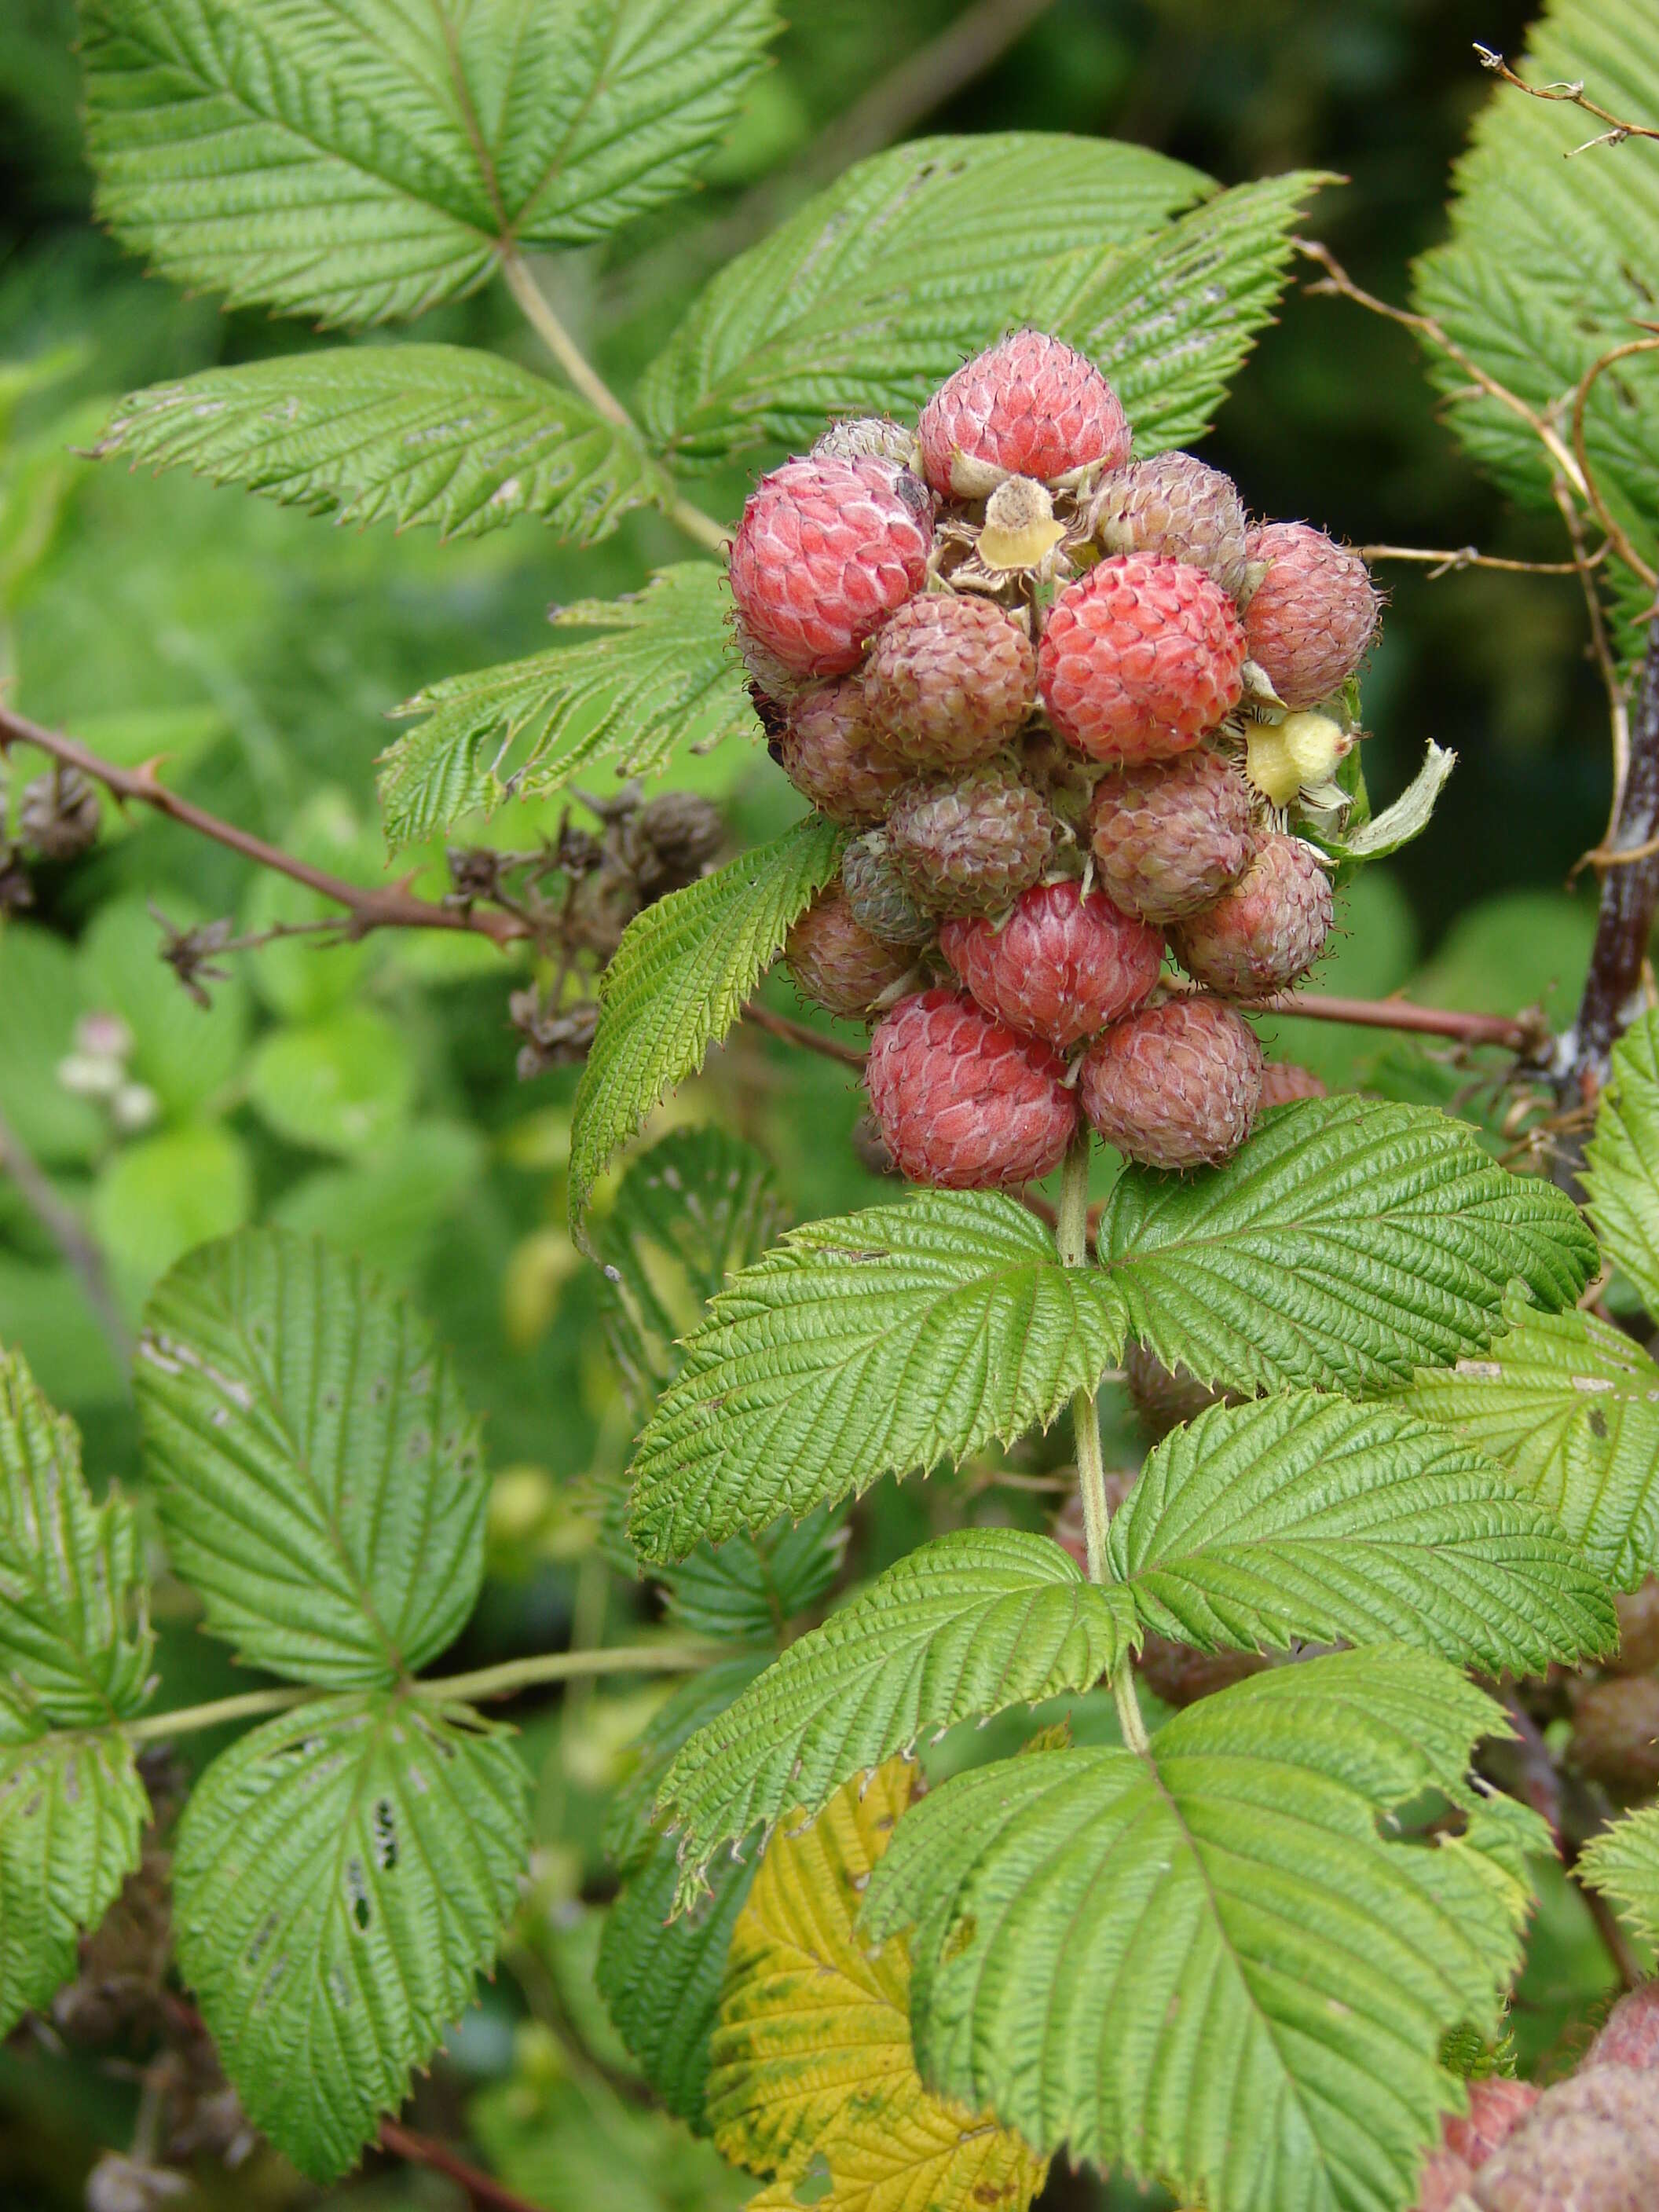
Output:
x,y
485,2193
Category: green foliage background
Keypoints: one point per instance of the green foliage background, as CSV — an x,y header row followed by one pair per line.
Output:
x,y
261,650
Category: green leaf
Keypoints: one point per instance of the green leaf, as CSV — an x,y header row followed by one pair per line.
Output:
x,y
388,1209
1171,318
681,976
362,163
1379,834
75,1640
751,1587
320,1480
341,1085
661,1973
1223,1966
689,1212
1545,269
869,296
71,1811
660,674
1623,1863
1308,1518
414,434
341,1875
1569,1405
40,991
1622,1161
975,1622
159,1198
1347,1242
862,1346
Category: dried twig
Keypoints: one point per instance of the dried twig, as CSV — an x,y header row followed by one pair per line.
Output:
x,y
62,1224
1443,564
1616,536
367,907
1574,96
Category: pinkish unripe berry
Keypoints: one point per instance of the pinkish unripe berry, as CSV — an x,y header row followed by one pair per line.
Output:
x,y
1028,406
1311,619
1176,1085
1267,931
1284,1081
838,964
1163,1397
869,437
825,551
828,750
949,680
1590,2144
1631,2034
1139,657
1060,967
1639,1630
961,1101
876,893
1170,835
1615,1733
970,844
1178,506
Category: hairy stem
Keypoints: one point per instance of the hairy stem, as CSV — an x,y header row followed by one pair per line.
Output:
x,y
539,313
1613,993
1072,1241
499,1681
791,1032
368,907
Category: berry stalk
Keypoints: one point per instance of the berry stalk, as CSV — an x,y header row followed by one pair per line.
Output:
x,y
1072,1238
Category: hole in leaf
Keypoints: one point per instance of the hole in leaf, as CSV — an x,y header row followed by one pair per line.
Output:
x,y
357,1891
815,2182
386,1836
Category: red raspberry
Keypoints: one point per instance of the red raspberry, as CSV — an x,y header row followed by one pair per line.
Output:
x,y
767,677
1028,406
1175,505
827,748
1163,1397
825,551
1060,967
1267,931
1496,2108
1139,657
1615,1733
1170,835
962,1101
1639,1630
876,893
1283,1082
949,680
1590,2144
838,965
1631,2035
1444,2179
1310,619
1176,1085
970,845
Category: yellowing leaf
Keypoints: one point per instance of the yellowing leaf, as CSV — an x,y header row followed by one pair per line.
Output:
x,y
812,2079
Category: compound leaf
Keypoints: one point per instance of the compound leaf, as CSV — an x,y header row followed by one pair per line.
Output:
x,y
360,160
342,1875
1171,318
1347,1242
752,1587
413,433
975,1622
1545,269
1311,1518
867,1346
321,1483
660,673
71,1812
680,978
1223,1966
876,290
1569,1405
1622,1161
1623,1863
75,1641
812,2074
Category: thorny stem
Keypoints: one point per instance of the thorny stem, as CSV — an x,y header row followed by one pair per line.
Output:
x,y
368,907
791,1032
539,313
1573,94
1071,1240
1440,563
499,1681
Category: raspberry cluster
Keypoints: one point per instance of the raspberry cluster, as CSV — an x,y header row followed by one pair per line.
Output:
x,y
1065,698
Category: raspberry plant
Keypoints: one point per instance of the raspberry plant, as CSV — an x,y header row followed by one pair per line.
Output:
x,y
1078,742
